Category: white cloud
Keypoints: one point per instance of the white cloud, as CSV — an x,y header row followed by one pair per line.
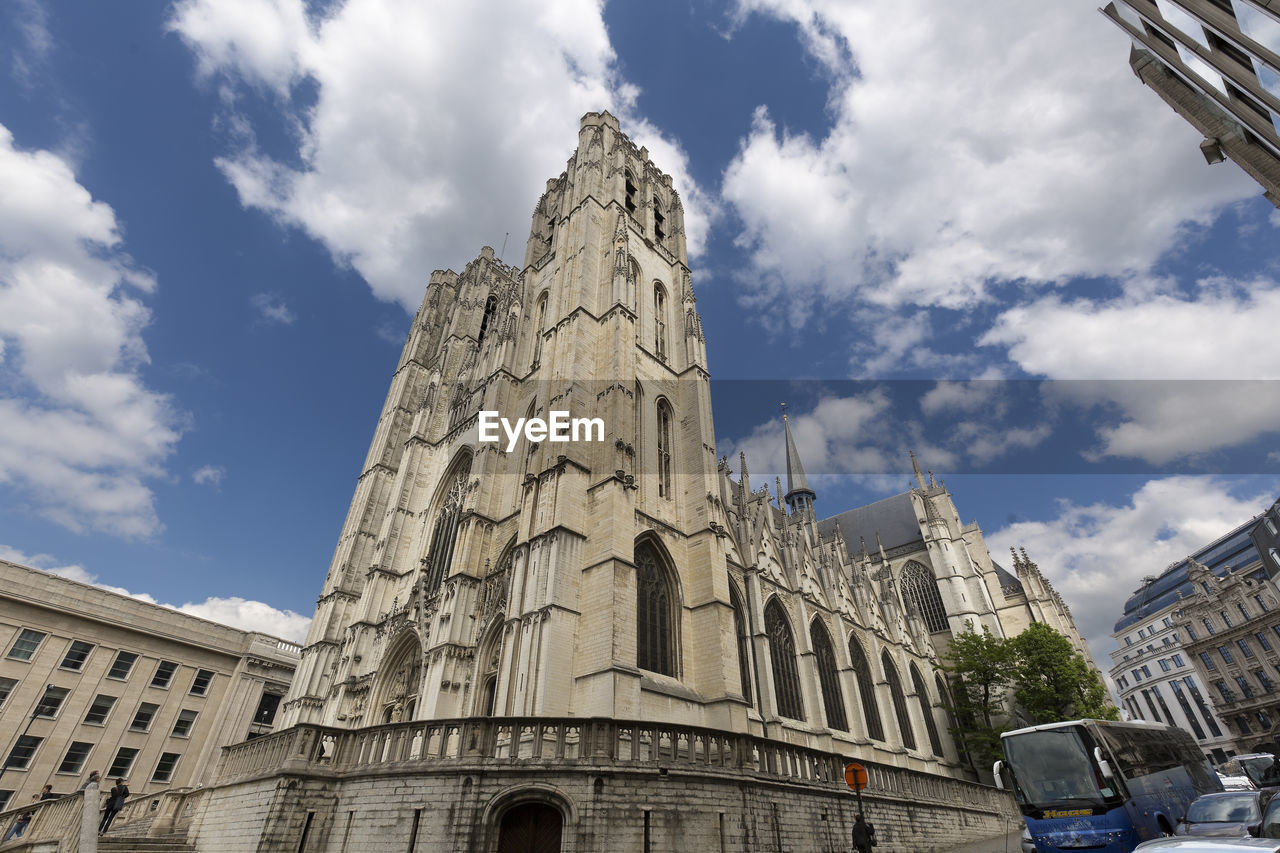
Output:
x,y
82,431
234,611
209,475
1096,555
970,141
433,126
1211,335
32,22
271,308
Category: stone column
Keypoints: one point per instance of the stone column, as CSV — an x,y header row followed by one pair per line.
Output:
x,y
89,819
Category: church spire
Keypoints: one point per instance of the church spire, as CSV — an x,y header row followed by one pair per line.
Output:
x,y
799,495
915,467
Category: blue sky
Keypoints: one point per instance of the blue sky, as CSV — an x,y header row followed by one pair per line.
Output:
x,y
962,228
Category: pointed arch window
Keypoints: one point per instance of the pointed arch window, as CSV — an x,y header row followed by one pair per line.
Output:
x,y
490,309
655,612
539,327
444,535
664,450
659,321
920,587
744,641
629,191
926,711
899,701
659,222
948,704
782,648
832,699
866,690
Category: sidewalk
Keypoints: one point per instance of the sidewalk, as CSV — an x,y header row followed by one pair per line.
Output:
x,y
993,845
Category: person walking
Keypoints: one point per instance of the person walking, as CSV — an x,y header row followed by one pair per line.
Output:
x,y
46,793
115,803
864,835
19,826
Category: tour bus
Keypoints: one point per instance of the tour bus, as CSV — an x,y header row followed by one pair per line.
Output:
x,y
1099,785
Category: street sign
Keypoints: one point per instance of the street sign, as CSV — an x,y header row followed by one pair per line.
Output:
x,y
855,776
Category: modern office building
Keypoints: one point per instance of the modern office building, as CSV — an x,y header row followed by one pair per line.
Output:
x,y
1168,667
1217,64
94,680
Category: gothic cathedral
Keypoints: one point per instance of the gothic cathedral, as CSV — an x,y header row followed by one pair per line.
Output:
x,y
629,578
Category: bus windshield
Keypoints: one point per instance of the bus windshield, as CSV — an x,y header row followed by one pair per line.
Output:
x,y
1053,768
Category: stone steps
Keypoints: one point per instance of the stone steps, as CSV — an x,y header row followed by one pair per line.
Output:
x,y
159,844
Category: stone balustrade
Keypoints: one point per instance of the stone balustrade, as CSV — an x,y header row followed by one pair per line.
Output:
x,y
583,743
56,821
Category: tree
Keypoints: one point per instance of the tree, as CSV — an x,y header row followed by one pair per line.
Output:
x,y
1052,681
982,664
1048,679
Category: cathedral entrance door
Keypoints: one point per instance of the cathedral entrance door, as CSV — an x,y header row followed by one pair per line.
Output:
x,y
530,828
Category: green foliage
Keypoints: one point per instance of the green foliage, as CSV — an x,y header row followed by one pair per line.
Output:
x,y
1049,680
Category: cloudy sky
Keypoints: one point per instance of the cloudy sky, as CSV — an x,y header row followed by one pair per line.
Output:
x,y
962,228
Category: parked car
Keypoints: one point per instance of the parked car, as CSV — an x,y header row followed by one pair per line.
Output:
x,y
1262,768
1187,844
1269,826
1228,814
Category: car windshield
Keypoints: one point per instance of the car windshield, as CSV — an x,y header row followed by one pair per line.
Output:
x,y
1052,768
1263,771
1229,809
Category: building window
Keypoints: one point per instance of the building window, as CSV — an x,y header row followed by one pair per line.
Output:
x,y
866,690
1243,724
919,586
655,621
444,536
926,711
1245,688
1245,647
1262,604
1164,665
1226,620
51,701
1207,661
6,688
825,656
1146,670
1226,654
1128,641
1186,709
200,684
486,320
1137,676
740,629
123,761
26,644
1267,685
267,707
782,648
1142,632
1225,692
143,716
1243,611
629,192
1168,622
659,322
1263,641
122,665
77,753
899,701
1178,661
76,655
98,711
1209,719
5,796
164,767
164,674
539,327
664,450
1191,633
22,753
1208,626
182,726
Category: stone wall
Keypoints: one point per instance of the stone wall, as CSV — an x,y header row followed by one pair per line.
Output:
x,y
446,785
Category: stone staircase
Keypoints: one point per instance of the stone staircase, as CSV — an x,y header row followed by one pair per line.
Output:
x,y
157,844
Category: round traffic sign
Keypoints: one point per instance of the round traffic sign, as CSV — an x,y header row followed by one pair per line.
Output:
x,y
855,775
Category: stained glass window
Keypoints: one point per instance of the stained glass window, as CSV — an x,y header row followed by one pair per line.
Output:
x,y
926,711
899,702
920,586
782,648
866,690
832,698
655,646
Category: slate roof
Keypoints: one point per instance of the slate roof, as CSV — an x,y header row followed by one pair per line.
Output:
x,y
894,518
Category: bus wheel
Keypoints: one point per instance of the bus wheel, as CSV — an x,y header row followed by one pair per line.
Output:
x,y
1165,831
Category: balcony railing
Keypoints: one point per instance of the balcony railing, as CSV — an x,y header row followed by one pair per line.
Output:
x,y
586,743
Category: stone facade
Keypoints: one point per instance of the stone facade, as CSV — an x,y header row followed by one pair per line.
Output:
x,y
92,680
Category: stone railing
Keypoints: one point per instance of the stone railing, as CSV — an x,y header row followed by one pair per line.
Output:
x,y
165,812
56,822
586,743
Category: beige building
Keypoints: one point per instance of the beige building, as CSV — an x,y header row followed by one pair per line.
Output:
x,y
1217,64
93,680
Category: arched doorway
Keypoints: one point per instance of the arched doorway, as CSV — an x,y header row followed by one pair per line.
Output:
x,y
530,828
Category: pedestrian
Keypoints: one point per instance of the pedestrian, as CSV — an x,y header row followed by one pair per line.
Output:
x,y
92,780
46,793
19,826
115,803
864,835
